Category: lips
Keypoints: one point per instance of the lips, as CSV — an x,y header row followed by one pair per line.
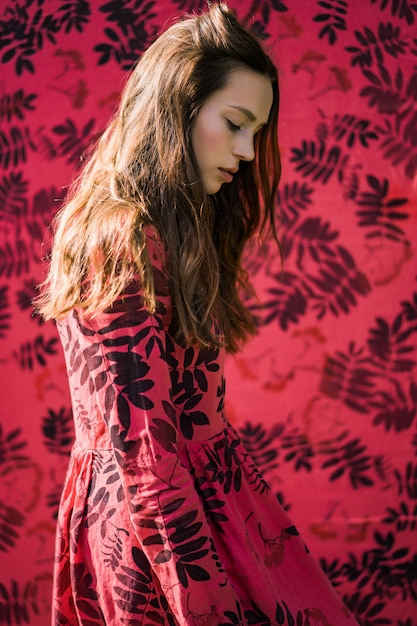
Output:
x,y
227,174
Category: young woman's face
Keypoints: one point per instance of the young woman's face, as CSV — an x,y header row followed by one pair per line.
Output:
x,y
225,127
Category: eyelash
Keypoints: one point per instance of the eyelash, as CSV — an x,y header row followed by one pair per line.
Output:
x,y
233,127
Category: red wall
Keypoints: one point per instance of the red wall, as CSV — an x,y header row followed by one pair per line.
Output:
x,y
325,397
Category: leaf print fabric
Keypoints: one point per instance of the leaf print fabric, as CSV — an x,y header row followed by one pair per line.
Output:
x,y
165,519
324,397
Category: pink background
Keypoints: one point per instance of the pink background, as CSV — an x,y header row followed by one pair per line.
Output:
x,y
325,397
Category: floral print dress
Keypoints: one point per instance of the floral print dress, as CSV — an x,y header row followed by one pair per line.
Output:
x,y
164,518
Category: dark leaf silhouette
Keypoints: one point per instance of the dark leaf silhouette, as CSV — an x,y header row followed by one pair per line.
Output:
x,y
24,298
395,410
208,357
53,498
372,569
318,161
74,14
352,129
19,605
234,617
338,282
369,52
143,564
403,517
411,87
131,33
189,547
73,142
24,30
45,205
403,9
287,302
130,601
172,506
390,37
393,95
332,18
188,389
10,520
46,145
264,8
256,616
410,311
224,465
349,377
97,510
407,481
164,433
296,448
190,6
399,141
13,200
57,428
191,419
385,100
312,240
16,105
114,548
4,311
14,146
259,442
35,352
127,367
362,55
390,346
11,447
333,570
366,608
87,596
351,184
134,392
213,504
293,200
347,457
381,214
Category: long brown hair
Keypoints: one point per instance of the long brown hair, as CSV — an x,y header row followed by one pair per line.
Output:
x,y
143,171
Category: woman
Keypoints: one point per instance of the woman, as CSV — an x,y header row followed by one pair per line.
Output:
x,y
164,518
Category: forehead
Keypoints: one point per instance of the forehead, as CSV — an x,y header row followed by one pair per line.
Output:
x,y
246,89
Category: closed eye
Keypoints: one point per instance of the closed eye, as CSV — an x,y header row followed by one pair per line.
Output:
x,y
233,127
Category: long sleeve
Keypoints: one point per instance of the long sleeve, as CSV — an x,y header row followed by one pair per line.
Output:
x,y
144,424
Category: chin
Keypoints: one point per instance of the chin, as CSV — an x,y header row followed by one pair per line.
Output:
x,y
212,189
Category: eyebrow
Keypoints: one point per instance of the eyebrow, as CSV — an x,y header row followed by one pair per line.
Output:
x,y
248,113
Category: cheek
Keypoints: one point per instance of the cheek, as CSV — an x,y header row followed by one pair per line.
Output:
x,y
208,139
211,144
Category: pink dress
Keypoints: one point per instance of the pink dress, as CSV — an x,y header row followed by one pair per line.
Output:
x,y
164,518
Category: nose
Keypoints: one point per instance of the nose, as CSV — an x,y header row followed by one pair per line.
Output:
x,y
244,147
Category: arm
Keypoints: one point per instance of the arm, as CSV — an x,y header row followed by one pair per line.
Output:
x,y
165,510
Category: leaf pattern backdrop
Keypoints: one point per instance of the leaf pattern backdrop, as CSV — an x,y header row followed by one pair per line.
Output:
x,y
325,397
